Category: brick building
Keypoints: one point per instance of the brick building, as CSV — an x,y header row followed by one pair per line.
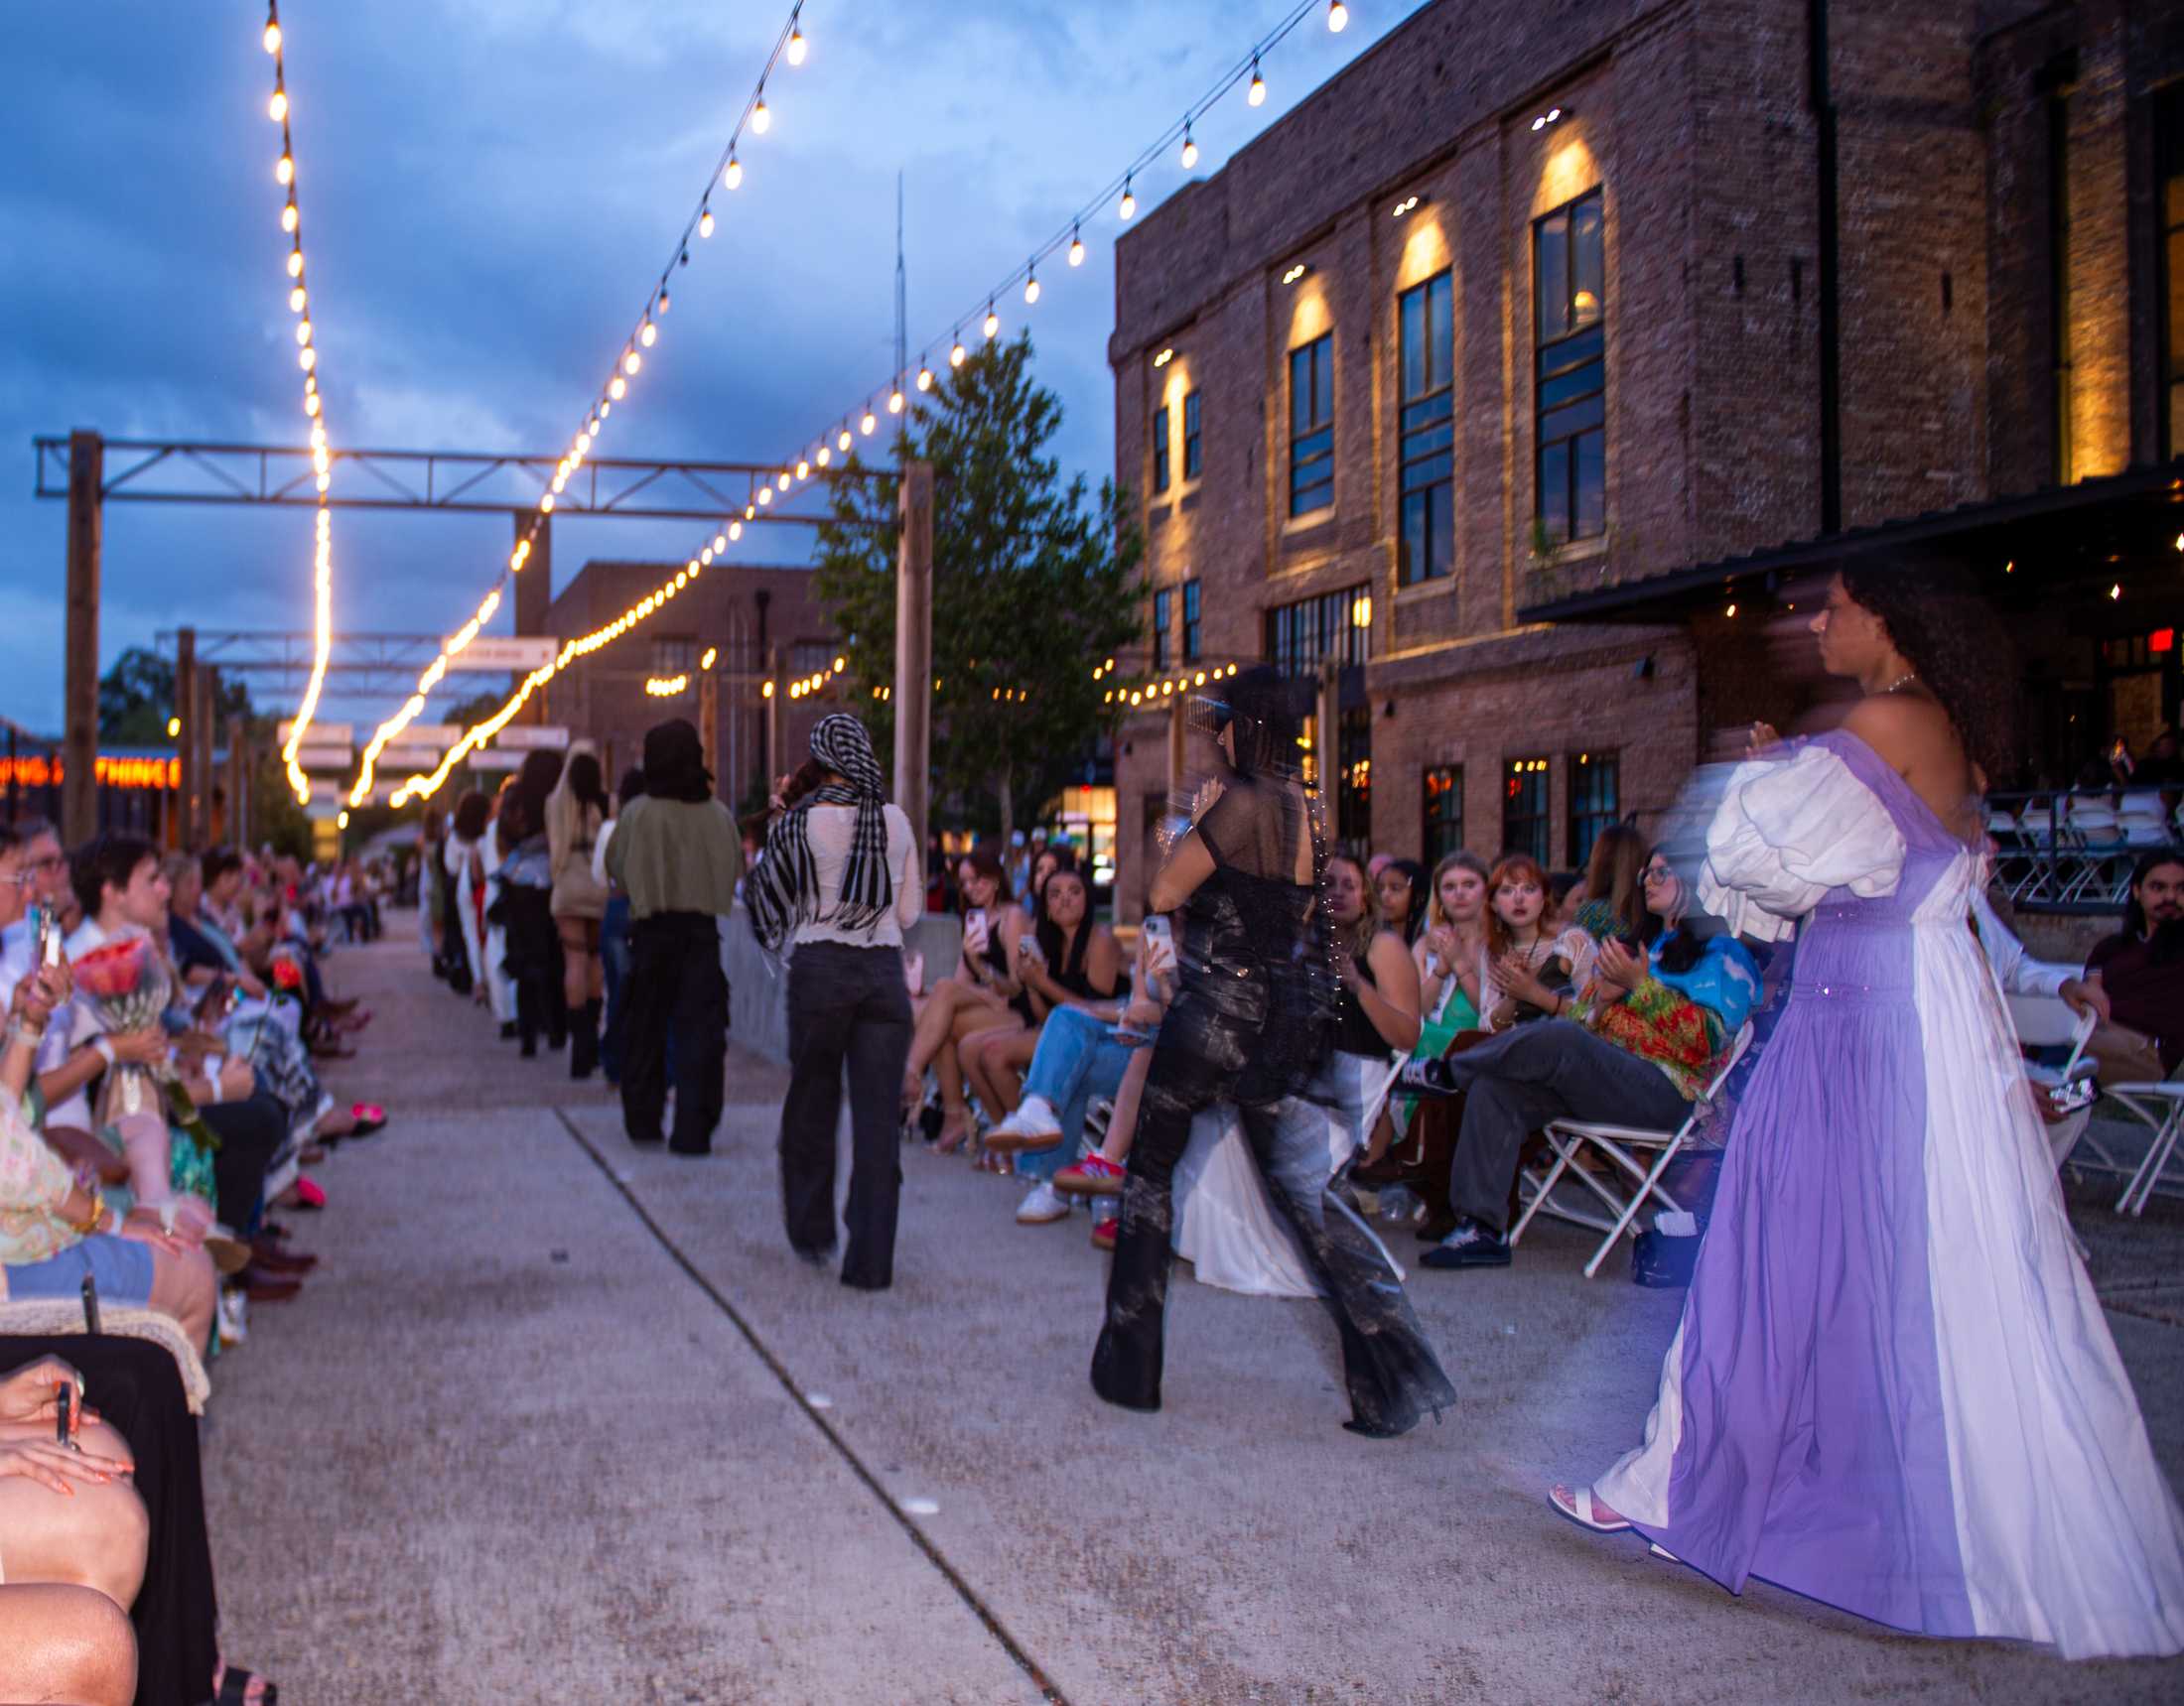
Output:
x,y
1513,376
741,614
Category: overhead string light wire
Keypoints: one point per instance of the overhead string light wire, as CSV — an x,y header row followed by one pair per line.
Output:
x,y
790,46
321,459
841,432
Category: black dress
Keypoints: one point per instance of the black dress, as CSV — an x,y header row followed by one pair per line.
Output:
x,y
1251,1024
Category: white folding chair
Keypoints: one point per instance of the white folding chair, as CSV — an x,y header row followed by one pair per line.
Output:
x,y
2161,1106
2046,1021
1567,1136
2098,838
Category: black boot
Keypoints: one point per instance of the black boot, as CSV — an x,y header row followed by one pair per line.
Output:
x,y
583,1040
527,1017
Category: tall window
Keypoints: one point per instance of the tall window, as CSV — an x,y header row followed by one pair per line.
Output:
x,y
1193,629
674,654
806,657
1353,810
1312,426
1569,369
2168,125
1193,449
1160,460
1427,539
1596,801
1525,809
1163,606
1443,813
1334,625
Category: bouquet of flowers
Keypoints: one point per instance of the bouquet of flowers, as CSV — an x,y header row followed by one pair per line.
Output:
x,y
128,988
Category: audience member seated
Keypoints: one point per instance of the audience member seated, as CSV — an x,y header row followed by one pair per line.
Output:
x,y
1404,898
980,995
2139,973
1522,954
1638,1045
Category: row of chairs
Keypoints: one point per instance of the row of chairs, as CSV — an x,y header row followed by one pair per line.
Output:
x,y
1632,1180
2077,849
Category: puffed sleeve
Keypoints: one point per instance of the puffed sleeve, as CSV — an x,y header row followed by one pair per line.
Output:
x,y
1787,830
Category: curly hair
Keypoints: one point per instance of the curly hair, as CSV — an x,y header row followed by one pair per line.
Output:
x,y
1952,636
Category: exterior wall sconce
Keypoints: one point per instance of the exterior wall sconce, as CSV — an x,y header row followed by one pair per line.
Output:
x,y
1553,115
1294,273
1164,358
1409,204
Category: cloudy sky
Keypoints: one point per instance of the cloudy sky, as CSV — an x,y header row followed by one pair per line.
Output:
x,y
488,190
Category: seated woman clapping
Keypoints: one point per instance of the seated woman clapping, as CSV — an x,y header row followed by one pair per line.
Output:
x,y
979,995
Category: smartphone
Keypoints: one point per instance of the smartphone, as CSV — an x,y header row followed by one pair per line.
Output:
x,y
90,1305
1160,938
973,931
64,1404
45,932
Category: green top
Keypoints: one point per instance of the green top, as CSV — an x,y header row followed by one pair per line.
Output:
x,y
676,855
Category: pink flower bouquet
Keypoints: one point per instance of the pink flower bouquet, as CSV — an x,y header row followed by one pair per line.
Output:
x,y
128,987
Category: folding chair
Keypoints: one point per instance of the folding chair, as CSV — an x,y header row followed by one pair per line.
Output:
x,y
1567,1136
2099,841
2161,1106
2046,1021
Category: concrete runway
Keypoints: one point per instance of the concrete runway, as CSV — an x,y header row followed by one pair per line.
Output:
x,y
560,1421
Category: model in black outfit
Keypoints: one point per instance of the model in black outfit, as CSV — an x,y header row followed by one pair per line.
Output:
x,y
1250,1023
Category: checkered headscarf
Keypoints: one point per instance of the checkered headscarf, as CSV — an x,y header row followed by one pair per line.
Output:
x,y
785,887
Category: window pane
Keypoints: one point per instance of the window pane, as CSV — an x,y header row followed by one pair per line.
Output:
x,y
1591,486
1577,381
1587,264
1411,549
1551,275
1443,812
1586,413
1440,536
1440,325
1554,494
1579,347
1300,392
1413,343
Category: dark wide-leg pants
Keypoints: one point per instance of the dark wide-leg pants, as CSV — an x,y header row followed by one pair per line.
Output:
x,y
847,1006
675,983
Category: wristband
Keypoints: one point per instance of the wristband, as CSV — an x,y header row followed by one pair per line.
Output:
x,y
105,1050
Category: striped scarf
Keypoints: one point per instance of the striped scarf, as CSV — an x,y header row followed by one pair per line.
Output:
x,y
785,887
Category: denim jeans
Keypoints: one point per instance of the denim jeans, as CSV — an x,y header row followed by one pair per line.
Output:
x,y
613,955
1077,1057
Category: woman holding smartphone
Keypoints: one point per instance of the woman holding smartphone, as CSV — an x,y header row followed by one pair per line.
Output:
x,y
977,997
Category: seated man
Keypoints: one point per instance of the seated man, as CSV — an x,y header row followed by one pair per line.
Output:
x,y
1640,1043
2140,973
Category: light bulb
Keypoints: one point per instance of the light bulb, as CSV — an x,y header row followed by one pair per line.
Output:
x,y
311,403
284,169
895,401
666,302
303,332
868,423
1076,247
307,359
295,263
617,387
606,408
289,215
592,428
584,443
803,468
272,36
761,119
955,355
734,530
630,362
797,46
1130,200
924,377
1190,147
296,299
1258,94
844,439
826,455
1030,287
782,480
1338,15
277,108
731,174
993,321
647,335
750,512
765,494
705,224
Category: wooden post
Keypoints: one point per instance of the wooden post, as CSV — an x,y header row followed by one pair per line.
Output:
x,y
182,822
913,649
709,726
199,734
776,714
79,735
237,831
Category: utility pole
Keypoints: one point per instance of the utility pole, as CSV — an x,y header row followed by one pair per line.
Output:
x,y
913,649
773,691
206,699
709,723
239,781
183,823
79,733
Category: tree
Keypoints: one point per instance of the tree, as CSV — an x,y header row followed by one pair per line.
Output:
x,y
1033,585
137,695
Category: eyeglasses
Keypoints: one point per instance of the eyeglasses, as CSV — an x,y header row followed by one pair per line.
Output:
x,y
1656,874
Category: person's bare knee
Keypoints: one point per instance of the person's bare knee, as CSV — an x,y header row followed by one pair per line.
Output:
x,y
61,1641
93,1536
186,1286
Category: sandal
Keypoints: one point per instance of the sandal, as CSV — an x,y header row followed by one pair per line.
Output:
x,y
308,1196
955,1132
235,1686
370,1118
1579,1508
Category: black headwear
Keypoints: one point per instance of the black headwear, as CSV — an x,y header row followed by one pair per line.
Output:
x,y
674,763
785,887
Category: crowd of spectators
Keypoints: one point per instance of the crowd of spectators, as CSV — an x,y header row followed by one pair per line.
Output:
x,y
160,1103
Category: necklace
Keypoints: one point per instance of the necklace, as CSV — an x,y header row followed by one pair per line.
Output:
x,y
1900,683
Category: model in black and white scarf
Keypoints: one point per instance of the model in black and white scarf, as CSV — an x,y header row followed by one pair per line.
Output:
x,y
785,887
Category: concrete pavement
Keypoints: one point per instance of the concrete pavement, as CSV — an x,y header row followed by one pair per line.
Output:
x,y
557,1420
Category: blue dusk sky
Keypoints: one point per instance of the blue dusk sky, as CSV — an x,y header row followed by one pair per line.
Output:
x,y
488,190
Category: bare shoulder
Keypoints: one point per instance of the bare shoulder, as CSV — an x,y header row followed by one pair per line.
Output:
x,y
1911,733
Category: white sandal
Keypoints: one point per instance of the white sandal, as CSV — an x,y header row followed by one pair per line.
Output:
x,y
1578,1508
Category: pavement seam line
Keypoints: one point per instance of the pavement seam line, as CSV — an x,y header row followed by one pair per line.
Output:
x,y
955,1578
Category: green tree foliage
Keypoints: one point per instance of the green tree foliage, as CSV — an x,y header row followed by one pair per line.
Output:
x,y
1034,583
137,695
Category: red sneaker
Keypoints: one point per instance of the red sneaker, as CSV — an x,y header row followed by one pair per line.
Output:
x,y
1094,1176
1103,1235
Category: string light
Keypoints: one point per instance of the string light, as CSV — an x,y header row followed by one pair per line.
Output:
x,y
1129,205
924,375
895,401
1258,93
1076,246
1030,285
1339,17
993,320
956,354
1190,147
729,171
868,423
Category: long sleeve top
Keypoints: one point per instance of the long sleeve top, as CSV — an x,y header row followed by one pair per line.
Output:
x,y
676,855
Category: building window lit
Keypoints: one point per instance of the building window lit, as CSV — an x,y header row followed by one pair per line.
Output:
x,y
1164,607
1596,801
1334,625
1569,370
1425,539
1160,459
2168,126
1193,443
1443,813
1353,808
1524,808
674,654
1193,628
1312,426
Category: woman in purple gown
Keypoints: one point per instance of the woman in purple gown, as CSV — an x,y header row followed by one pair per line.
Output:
x,y
1893,1388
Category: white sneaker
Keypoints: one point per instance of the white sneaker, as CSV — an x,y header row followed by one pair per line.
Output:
x,y
1033,1118
1042,1205
234,1309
